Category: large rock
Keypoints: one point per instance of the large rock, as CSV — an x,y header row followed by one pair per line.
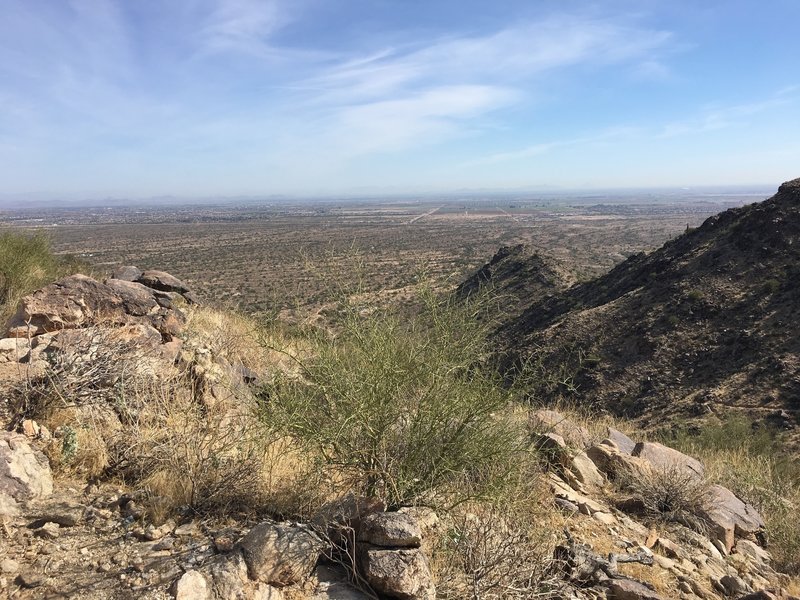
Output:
x,y
664,458
585,471
14,349
137,299
280,554
24,472
616,464
159,280
192,586
630,589
402,574
71,302
625,444
550,421
126,273
391,530
729,517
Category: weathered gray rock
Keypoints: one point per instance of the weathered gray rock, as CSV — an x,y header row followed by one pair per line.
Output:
x,y
402,574
733,586
280,554
14,349
137,299
753,552
192,585
71,302
391,530
160,280
664,458
615,464
228,575
126,273
729,517
585,471
625,444
550,421
24,472
630,589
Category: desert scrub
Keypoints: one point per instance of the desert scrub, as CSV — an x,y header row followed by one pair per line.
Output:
x,y
748,460
401,409
27,263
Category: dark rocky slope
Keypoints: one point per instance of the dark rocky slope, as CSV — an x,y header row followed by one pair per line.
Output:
x,y
710,319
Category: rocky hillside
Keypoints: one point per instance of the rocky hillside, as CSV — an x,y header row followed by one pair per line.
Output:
x,y
708,322
143,457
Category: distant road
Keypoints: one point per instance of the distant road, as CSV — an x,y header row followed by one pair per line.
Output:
x,y
423,215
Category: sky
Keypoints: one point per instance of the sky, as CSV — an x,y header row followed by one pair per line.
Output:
x,y
141,98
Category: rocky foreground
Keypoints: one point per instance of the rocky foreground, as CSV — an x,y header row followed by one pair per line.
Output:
x,y
85,532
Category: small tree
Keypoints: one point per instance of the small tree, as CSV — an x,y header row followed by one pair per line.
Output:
x,y
402,410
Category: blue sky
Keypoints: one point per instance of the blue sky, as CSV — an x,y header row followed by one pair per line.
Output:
x,y
135,98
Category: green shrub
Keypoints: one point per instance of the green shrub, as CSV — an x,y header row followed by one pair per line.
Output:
x,y
400,410
27,263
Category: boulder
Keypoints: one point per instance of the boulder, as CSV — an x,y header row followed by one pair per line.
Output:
x,y
630,589
14,349
729,517
625,444
615,464
192,586
665,458
550,421
24,472
391,530
159,280
71,302
585,471
137,300
228,575
126,273
402,574
280,554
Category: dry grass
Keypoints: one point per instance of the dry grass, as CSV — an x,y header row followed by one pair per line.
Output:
x,y
503,549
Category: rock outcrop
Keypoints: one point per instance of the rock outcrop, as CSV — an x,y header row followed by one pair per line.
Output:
x,y
24,473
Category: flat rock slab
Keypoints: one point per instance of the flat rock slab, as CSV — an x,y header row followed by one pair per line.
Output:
x,y
665,458
24,472
729,517
630,589
160,280
71,302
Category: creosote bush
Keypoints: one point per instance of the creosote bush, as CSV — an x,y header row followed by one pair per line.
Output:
x,y
402,410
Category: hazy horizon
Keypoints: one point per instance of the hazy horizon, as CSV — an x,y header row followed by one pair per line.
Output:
x,y
309,99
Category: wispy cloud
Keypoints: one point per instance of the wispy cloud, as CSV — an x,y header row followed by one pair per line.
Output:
x,y
245,26
714,118
539,149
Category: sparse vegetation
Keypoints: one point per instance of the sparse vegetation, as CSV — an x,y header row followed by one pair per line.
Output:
x,y
402,410
748,459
